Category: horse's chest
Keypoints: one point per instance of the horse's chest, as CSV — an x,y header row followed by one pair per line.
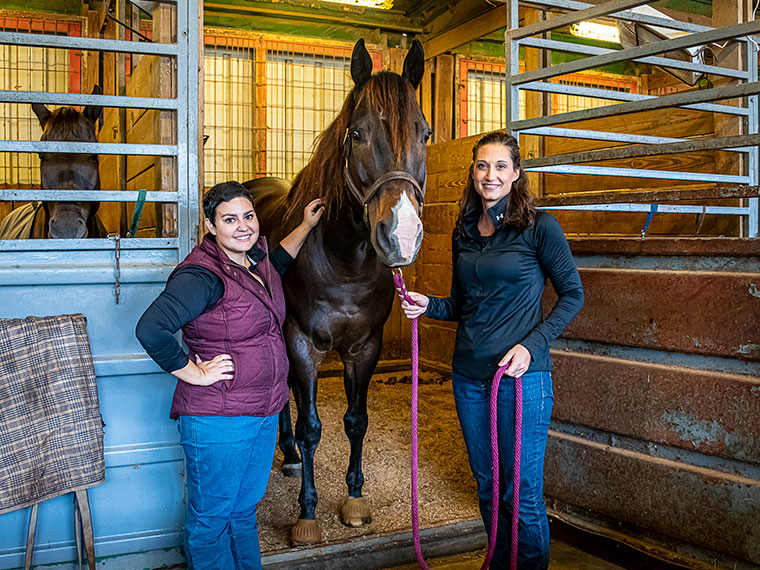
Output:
x,y
340,318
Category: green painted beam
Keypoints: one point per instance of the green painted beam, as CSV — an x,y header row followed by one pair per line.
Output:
x,y
297,28
324,12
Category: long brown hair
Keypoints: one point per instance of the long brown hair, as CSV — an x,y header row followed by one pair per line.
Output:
x,y
389,95
522,204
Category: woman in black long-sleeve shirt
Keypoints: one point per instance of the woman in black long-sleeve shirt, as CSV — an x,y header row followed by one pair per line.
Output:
x,y
503,250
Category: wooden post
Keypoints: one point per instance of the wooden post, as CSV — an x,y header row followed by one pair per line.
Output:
x,y
165,31
396,59
120,88
426,91
260,106
443,110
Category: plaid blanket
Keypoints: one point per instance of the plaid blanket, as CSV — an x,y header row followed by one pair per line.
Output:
x,y
51,430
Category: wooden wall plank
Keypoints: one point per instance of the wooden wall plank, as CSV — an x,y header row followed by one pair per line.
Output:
x,y
437,342
443,112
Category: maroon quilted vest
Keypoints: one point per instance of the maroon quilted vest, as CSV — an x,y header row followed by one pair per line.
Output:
x,y
245,323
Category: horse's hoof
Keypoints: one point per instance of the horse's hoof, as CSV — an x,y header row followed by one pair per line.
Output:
x,y
291,469
355,512
305,531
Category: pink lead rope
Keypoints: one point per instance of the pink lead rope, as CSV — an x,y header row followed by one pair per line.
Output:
x,y
398,281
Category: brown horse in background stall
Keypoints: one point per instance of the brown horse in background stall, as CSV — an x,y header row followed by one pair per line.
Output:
x,y
62,171
369,168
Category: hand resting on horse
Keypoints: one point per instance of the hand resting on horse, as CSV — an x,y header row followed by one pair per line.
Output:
x,y
206,373
311,214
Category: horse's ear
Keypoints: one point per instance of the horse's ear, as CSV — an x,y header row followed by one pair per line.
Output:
x,y
361,64
42,112
93,112
414,64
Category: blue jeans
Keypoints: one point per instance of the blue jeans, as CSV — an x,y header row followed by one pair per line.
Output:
x,y
472,399
227,465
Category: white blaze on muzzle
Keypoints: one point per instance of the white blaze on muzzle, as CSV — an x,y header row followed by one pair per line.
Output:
x,y
408,227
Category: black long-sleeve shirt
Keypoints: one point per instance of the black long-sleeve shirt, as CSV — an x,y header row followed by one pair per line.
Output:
x,y
188,293
496,291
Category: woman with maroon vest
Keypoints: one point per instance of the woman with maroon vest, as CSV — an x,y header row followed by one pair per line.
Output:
x,y
227,298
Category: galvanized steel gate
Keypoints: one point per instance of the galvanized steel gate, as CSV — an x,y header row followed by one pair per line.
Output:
x,y
655,438
139,511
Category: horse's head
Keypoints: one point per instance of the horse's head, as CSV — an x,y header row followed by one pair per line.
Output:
x,y
384,153
61,171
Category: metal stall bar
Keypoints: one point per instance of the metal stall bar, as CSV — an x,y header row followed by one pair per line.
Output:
x,y
91,195
661,61
641,196
753,168
623,15
95,44
640,173
692,40
88,148
82,99
623,96
703,100
674,100
645,150
187,122
666,208
603,9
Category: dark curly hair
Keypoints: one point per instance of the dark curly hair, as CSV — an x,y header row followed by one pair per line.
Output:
x,y
522,204
220,193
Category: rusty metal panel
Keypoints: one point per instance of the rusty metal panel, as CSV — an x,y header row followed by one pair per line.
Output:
x,y
656,426
712,413
696,247
705,505
683,311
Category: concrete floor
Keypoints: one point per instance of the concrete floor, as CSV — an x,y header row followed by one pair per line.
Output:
x,y
563,557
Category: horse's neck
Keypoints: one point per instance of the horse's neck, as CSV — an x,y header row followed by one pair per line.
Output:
x,y
347,247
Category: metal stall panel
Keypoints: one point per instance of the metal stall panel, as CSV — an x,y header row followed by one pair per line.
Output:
x,y
656,426
138,513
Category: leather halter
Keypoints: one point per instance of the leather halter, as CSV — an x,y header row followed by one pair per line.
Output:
x,y
364,199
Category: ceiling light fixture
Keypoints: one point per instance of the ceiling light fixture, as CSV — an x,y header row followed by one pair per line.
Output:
x,y
381,4
595,31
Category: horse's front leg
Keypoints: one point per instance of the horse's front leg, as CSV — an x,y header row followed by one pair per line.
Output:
x,y
304,361
358,369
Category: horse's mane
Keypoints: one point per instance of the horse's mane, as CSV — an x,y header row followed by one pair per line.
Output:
x,y
394,100
67,124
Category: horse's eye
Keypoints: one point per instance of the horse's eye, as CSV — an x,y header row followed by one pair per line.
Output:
x,y
355,135
427,135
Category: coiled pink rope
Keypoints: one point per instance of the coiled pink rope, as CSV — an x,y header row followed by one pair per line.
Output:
x,y
398,281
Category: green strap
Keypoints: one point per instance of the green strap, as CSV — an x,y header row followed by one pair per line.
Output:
x,y
137,213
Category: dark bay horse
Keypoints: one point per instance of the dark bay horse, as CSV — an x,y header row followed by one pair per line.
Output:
x,y
369,168
62,171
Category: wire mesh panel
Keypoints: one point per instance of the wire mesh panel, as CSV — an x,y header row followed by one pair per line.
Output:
x,y
483,105
229,107
266,102
305,90
30,68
